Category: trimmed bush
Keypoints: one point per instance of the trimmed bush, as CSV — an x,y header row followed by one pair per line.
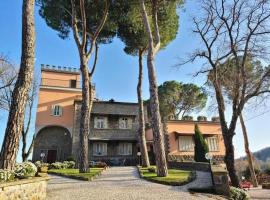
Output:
x,y
25,170
69,164
238,194
201,147
202,118
57,165
6,175
187,118
70,158
151,169
215,119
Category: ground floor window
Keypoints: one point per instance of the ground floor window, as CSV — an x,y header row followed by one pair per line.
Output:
x,y
100,149
125,148
212,143
186,143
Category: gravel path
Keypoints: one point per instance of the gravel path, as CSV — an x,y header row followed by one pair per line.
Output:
x,y
259,193
120,183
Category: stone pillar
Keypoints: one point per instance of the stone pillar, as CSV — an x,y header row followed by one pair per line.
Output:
x,y
221,180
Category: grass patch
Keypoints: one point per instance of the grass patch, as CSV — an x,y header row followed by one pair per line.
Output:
x,y
175,177
74,173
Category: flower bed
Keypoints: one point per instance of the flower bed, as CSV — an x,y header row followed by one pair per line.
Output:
x,y
74,173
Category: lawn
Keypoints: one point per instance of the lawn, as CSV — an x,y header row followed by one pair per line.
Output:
x,y
74,173
176,176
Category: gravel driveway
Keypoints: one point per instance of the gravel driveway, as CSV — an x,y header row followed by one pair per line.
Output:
x,y
119,183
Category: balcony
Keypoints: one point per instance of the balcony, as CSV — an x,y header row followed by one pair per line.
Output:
x,y
113,134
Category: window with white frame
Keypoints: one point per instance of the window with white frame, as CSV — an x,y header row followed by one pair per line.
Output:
x,y
57,110
212,143
186,143
125,148
100,149
100,122
124,123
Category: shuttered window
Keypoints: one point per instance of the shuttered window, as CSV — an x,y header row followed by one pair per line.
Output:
x,y
212,143
125,123
57,110
100,122
100,149
186,143
125,149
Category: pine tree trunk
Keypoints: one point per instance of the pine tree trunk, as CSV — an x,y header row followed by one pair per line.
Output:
x,y
142,139
85,117
20,93
156,120
158,141
249,155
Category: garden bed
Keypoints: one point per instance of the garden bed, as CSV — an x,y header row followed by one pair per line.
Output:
x,y
176,177
74,173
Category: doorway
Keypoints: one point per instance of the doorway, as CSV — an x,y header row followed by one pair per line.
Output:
x,y
51,157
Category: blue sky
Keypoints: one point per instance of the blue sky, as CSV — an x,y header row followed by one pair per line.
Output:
x,y
116,74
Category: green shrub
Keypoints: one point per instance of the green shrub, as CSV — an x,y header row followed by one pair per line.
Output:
x,y
40,164
238,194
25,170
247,174
151,169
70,158
215,119
69,164
187,118
267,170
201,147
6,175
57,165
202,118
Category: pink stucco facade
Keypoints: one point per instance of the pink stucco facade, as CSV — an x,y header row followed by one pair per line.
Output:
x,y
55,90
178,128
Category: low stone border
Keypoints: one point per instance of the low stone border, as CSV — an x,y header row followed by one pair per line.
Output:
x,y
191,178
196,166
266,186
31,188
79,177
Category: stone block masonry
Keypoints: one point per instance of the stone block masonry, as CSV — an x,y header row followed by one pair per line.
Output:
x,y
26,189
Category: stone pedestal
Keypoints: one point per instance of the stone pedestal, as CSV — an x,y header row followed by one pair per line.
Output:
x,y
220,178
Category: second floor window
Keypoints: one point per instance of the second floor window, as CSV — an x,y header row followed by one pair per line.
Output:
x,y
186,143
100,122
124,123
57,110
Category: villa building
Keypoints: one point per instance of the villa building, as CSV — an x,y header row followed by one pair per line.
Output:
x,y
113,136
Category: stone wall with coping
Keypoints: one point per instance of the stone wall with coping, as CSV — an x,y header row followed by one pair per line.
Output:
x,y
196,166
30,189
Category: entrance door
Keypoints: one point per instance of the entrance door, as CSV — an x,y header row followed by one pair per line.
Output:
x,y
51,157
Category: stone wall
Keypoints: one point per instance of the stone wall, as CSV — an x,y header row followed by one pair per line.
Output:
x,y
53,138
113,111
198,166
27,189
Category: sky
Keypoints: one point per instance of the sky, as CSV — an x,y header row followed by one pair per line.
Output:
x,y
117,73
